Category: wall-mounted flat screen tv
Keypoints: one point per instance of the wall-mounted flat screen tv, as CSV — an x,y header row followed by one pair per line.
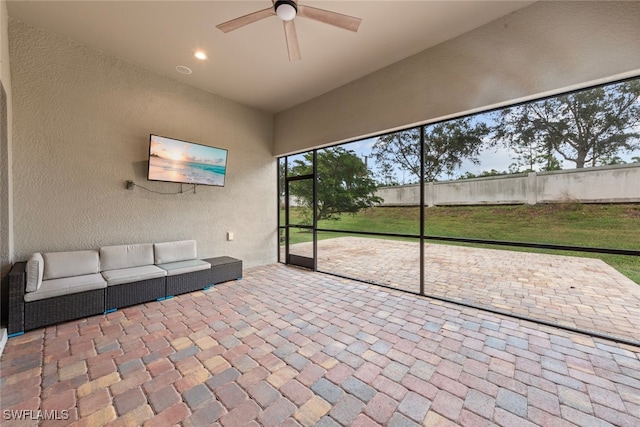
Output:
x,y
185,162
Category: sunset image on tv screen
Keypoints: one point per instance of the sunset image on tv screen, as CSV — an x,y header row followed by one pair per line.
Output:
x,y
185,162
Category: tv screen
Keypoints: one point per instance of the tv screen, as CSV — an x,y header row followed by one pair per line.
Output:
x,y
174,160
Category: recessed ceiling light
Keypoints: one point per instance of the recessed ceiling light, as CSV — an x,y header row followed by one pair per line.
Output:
x,y
183,70
200,54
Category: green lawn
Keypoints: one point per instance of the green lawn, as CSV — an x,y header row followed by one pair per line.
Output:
x,y
604,226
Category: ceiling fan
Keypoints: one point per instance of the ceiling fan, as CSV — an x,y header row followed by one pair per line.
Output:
x,y
287,10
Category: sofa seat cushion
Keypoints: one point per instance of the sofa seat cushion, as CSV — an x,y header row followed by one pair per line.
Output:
x,y
133,274
169,252
65,286
70,264
126,256
181,267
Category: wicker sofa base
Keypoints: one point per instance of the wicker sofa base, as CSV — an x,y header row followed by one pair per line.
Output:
x,y
17,280
188,282
127,294
224,268
54,310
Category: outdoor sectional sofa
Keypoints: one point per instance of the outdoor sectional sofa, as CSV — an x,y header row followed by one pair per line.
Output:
x,y
56,287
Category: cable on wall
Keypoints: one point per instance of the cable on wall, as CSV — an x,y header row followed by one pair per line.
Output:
x,y
130,185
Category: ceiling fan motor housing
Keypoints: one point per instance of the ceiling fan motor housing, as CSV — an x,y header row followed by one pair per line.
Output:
x,y
286,9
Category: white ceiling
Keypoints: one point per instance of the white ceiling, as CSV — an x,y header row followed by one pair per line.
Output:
x,y
250,65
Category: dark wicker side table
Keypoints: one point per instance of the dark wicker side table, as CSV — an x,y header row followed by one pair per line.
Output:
x,y
224,268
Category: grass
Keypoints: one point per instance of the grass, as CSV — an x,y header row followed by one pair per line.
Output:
x,y
603,226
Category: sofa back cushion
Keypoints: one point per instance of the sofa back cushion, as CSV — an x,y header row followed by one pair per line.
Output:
x,y
175,251
126,256
35,271
69,264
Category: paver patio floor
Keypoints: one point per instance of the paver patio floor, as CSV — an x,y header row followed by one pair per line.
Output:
x,y
288,347
576,292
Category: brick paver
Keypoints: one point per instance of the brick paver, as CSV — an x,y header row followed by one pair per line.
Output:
x,y
576,292
286,346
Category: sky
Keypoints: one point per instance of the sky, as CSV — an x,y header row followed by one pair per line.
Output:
x,y
174,149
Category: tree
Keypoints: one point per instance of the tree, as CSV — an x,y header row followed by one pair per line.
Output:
x,y
344,184
532,154
615,160
447,145
386,176
492,172
586,127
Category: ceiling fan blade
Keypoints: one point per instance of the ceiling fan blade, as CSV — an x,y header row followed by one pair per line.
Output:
x,y
234,24
292,41
339,20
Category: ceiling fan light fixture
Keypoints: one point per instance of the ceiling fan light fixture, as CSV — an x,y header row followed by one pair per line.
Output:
x,y
286,9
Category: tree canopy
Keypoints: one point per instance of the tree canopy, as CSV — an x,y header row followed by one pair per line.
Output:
x,y
345,185
588,128
447,145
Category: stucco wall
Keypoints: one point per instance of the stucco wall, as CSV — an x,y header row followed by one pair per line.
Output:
x,y
495,190
540,49
6,235
604,184
82,120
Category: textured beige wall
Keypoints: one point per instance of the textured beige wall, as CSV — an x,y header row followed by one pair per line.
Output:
x,y
82,120
6,235
541,48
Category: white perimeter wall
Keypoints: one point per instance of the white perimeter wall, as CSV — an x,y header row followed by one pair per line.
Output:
x,y
81,122
606,184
